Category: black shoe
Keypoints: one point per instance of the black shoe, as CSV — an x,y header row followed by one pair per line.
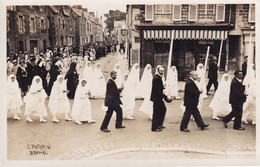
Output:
x,y
161,127
157,130
185,130
225,124
105,130
204,126
239,128
120,127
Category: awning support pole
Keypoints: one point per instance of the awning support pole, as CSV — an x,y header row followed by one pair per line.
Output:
x,y
206,61
170,54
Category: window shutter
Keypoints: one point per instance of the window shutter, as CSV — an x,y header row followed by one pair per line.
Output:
x,y
220,14
192,12
251,13
176,13
149,12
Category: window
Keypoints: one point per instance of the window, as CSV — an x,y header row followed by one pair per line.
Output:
x,y
220,12
176,13
58,23
87,26
42,24
63,24
163,9
32,25
206,11
192,12
149,12
20,22
251,16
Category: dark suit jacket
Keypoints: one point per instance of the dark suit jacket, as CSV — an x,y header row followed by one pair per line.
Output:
x,y
191,94
157,89
236,95
112,94
244,68
213,71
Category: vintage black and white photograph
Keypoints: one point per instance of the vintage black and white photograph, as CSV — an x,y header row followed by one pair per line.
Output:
x,y
145,83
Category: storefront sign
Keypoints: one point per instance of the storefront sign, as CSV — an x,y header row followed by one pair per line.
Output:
x,y
204,42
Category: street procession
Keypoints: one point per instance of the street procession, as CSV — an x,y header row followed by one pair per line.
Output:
x,y
185,68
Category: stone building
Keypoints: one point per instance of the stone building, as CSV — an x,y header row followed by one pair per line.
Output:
x,y
193,28
27,29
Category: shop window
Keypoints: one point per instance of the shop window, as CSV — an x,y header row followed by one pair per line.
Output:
x,y
176,14
149,12
251,16
20,22
192,12
220,12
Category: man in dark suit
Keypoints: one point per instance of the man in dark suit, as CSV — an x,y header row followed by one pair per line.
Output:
x,y
237,97
157,96
213,75
244,66
191,99
112,101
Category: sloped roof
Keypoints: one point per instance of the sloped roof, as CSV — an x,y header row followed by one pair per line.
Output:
x,y
86,14
66,10
77,11
54,9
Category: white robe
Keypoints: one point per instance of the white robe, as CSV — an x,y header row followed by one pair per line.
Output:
x,y
88,75
119,78
35,99
59,102
14,99
172,83
220,102
81,109
202,82
141,88
99,88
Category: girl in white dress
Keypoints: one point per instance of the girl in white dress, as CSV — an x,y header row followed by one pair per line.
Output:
x,y
81,110
146,88
119,78
59,102
220,102
201,82
249,107
172,83
99,89
88,74
14,99
34,101
128,93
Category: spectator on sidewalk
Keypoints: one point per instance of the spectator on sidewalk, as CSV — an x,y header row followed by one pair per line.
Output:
x,y
213,75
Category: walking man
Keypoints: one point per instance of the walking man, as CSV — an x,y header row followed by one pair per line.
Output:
x,y
237,97
191,99
112,101
213,75
157,96
244,66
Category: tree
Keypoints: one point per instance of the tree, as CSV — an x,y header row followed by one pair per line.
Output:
x,y
113,15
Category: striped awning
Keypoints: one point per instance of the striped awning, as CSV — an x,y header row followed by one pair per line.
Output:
x,y
186,34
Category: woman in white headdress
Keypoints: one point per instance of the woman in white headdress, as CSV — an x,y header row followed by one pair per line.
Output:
x,y
249,107
81,109
34,101
146,88
14,99
88,74
220,102
201,82
119,78
172,83
59,102
142,85
99,90
128,93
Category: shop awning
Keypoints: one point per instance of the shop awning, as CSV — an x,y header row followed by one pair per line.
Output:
x,y
186,34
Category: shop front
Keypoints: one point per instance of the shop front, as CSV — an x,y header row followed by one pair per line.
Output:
x,y
189,48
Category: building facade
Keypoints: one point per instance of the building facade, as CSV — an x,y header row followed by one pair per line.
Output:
x,y
193,28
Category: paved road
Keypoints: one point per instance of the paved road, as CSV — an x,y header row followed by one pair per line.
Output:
x,y
66,140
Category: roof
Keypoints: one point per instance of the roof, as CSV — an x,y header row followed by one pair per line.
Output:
x,y
66,10
54,9
77,11
86,14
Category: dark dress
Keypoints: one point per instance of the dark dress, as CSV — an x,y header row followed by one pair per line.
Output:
x,y
213,75
112,101
22,79
54,72
30,72
73,80
157,96
191,100
42,72
236,99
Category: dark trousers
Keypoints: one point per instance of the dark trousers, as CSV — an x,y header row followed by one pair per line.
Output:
x,y
236,112
109,114
159,111
191,110
212,81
